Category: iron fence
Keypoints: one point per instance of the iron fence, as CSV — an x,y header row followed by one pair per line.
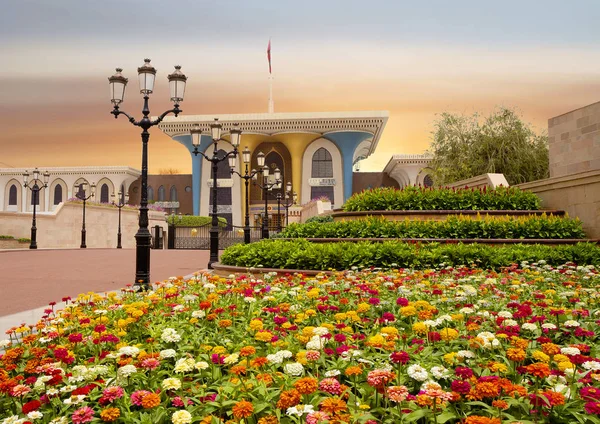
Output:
x,y
198,237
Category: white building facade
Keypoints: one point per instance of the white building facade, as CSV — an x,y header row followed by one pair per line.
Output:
x,y
109,180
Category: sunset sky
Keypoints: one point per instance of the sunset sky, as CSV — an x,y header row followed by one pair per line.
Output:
x,y
413,59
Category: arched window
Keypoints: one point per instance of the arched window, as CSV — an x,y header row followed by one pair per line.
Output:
x,y
161,194
150,193
57,194
104,193
322,165
12,195
173,194
223,170
122,199
428,181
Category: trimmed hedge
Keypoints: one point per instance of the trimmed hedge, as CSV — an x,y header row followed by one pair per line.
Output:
x,y
194,221
319,218
301,254
421,198
458,227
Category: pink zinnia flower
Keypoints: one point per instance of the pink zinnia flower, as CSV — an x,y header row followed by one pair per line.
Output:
x,y
83,415
379,378
399,357
137,396
397,393
20,390
331,386
150,363
313,355
111,393
317,417
592,408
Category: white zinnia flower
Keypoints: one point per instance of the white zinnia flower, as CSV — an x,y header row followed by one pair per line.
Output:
x,y
529,326
417,372
169,335
35,415
571,324
202,365
569,351
167,353
320,331
171,384
127,370
295,368
549,326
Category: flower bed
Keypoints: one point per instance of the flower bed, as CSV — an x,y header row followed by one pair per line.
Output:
x,y
448,346
302,254
503,227
421,198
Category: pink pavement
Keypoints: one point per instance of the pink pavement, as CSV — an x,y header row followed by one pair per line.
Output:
x,y
33,278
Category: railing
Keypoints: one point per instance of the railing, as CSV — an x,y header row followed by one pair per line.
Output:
x,y
198,237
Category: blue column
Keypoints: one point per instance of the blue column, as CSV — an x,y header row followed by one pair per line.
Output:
x,y
197,160
347,142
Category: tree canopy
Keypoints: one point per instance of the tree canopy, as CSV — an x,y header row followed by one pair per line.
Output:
x,y
464,146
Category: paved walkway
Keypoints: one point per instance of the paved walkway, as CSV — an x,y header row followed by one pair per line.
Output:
x,y
32,279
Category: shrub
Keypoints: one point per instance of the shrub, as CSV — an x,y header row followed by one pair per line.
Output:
x,y
2,237
301,254
455,227
421,198
320,219
194,221
24,240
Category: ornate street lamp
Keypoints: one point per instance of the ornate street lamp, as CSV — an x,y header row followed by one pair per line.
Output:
x,y
117,83
122,202
263,170
81,196
215,132
35,197
247,177
290,199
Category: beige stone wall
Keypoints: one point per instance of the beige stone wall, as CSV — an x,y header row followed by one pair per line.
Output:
x,y
62,229
577,194
574,141
13,244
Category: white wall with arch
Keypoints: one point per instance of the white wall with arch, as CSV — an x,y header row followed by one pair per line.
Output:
x,y
57,192
307,160
206,181
16,187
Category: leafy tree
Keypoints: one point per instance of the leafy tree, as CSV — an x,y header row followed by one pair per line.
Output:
x,y
168,171
465,146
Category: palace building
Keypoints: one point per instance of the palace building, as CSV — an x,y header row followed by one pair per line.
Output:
x,y
315,151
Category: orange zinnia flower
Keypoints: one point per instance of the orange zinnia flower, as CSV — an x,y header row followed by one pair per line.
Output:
x,y
151,400
242,409
269,419
110,414
539,369
289,398
516,355
353,370
306,385
500,404
247,351
238,369
475,419
333,405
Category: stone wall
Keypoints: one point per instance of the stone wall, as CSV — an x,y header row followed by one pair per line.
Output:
x,y
574,141
13,244
367,180
62,228
577,194
480,181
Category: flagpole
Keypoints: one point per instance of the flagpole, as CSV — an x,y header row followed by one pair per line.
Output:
x,y
271,102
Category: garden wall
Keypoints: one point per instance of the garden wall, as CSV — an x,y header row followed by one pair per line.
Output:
x,y
62,229
577,194
480,181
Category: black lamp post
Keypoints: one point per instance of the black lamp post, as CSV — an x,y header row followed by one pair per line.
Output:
x,y
263,170
117,83
35,197
81,196
122,202
290,199
247,177
235,135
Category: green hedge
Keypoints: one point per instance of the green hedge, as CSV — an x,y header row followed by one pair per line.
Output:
x,y
421,198
193,221
3,237
319,219
455,227
301,254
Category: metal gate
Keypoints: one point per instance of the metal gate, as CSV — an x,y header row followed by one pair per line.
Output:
x,y
198,237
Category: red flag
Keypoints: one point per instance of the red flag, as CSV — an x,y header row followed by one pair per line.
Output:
x,y
269,54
